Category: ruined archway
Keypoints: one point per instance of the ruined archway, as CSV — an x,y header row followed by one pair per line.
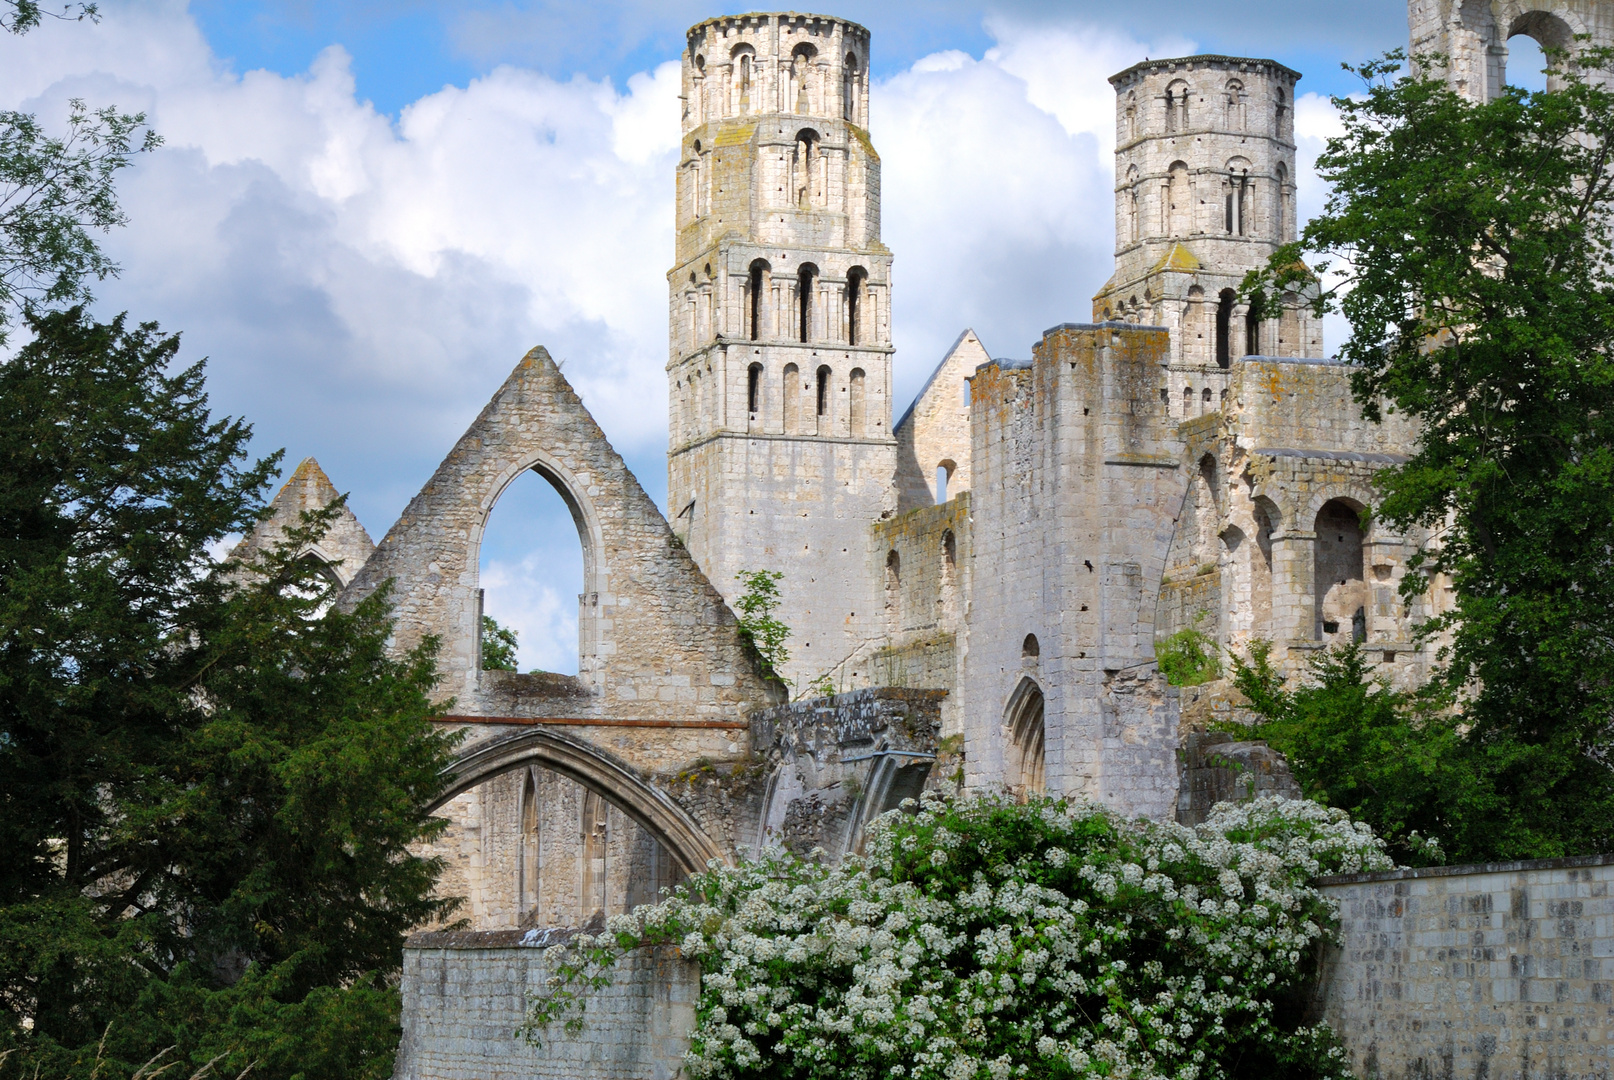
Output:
x,y
591,768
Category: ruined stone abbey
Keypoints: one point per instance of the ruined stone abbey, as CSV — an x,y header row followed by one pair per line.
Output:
x,y
982,574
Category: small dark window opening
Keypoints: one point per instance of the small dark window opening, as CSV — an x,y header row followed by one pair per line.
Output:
x,y
1029,647
949,549
1359,626
753,389
804,297
823,390
854,303
756,298
1252,332
1224,316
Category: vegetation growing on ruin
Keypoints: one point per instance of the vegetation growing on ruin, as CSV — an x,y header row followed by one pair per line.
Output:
x,y
1470,246
209,776
1190,656
758,600
984,938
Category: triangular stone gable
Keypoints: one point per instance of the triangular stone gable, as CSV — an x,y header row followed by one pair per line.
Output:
x,y
657,641
345,547
936,427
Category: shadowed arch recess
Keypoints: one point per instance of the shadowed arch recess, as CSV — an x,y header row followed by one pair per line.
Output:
x,y
595,771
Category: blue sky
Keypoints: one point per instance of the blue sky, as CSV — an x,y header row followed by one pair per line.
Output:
x,y
365,213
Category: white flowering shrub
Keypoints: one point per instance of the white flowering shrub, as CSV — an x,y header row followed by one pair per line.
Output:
x,y
981,938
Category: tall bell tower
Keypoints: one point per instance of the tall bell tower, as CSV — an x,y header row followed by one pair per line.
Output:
x,y
779,375
1204,192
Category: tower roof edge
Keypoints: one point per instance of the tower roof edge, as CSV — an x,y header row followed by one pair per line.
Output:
x,y
720,19
1122,77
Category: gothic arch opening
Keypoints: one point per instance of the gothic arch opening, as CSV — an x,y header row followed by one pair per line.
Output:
x,y
563,832
1026,765
1341,591
531,570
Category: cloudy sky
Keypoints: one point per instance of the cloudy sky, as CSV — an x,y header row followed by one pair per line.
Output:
x,y
365,213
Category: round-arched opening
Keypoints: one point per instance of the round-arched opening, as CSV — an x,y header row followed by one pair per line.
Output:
x,y
856,284
531,571
949,550
753,390
893,589
1224,320
756,291
806,284
1341,592
944,477
823,391
1530,37
1030,648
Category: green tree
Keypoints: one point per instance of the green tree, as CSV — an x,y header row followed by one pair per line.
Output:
x,y
1473,245
1188,657
1385,756
758,600
498,646
209,778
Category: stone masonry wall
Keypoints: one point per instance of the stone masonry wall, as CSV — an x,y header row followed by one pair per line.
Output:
x,y
465,996
1502,971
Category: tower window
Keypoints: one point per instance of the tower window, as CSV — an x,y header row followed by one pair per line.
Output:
x,y
1224,318
856,279
805,165
859,403
1252,332
753,389
757,286
823,390
849,94
806,278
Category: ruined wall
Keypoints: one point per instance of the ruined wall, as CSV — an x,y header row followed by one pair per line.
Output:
x,y
345,547
465,994
1500,970
935,431
1473,34
1078,480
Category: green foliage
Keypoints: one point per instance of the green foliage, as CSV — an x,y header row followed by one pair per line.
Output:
x,y
1472,247
498,646
759,599
982,938
209,777
1188,657
1384,756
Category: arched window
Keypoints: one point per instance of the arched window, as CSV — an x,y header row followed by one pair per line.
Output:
x,y
801,66
527,870
743,60
756,287
850,88
805,165
753,390
698,93
1252,331
1030,648
1129,130
792,399
596,840
1224,319
1129,204
1205,396
856,282
531,556
806,283
823,394
944,476
1280,113
1340,589
1027,757
1237,196
1177,107
1235,105
949,551
1187,401
858,406
1284,230
1177,211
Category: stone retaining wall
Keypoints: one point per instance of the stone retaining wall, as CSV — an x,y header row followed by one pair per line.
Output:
x,y
465,996
1502,971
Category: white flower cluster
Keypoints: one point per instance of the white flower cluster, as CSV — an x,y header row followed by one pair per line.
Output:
x,y
1049,939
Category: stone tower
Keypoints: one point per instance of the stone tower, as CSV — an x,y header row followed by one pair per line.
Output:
x,y
779,379
1204,192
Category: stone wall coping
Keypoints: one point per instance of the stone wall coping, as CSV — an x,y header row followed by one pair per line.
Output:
x,y
1517,867
545,938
